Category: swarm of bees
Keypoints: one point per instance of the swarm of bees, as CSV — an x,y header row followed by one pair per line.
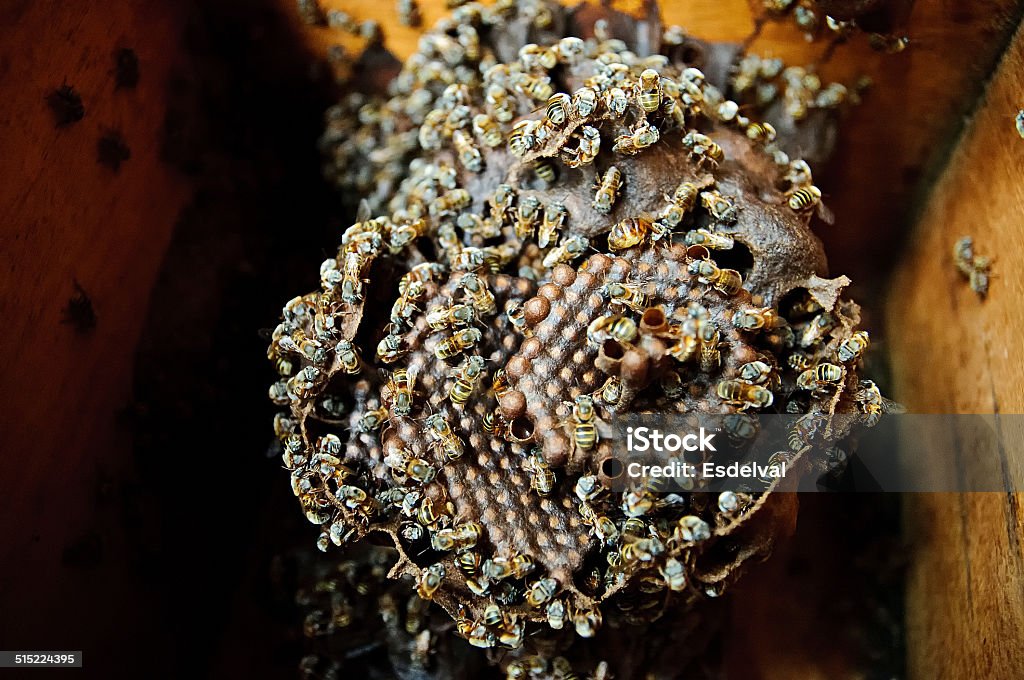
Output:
x,y
451,382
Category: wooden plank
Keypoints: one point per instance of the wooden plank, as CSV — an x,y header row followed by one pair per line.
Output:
x,y
65,218
954,353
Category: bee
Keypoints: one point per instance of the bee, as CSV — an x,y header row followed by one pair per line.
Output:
x,y
583,421
420,471
426,271
611,327
499,385
628,233
710,354
720,207
527,215
798,362
390,349
642,136
821,376
616,101
816,329
587,622
628,294
474,224
469,40
352,277
568,50
542,478
555,215
648,90
487,130
571,247
744,394
440,318
608,188
890,44
975,267
538,88
479,294
405,306
501,203
522,565
497,568
708,239
468,562
523,137
398,392
556,614
372,420
852,348
430,581
761,132
585,151
584,102
757,372
804,198
469,154
441,433
873,404
756,319
703,150
535,57
726,281
469,374
545,171
409,13
431,130
637,503
493,423
517,317
493,615
681,202
690,529
610,393
541,592
558,107
452,201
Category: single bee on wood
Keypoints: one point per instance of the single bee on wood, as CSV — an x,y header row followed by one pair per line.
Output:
x,y
66,105
79,311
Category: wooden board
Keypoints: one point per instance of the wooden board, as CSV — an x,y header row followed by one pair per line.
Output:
x,y
65,217
955,353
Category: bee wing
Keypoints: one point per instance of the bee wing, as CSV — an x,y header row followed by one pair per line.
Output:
x,y
363,213
890,406
824,213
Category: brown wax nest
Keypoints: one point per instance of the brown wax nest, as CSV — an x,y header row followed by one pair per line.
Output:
x,y
559,231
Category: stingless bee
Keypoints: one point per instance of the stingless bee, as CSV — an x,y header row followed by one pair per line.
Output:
x,y
804,198
568,250
642,136
479,294
681,202
527,215
542,477
851,348
517,317
558,108
608,187
465,382
583,421
540,592
822,376
708,239
744,394
726,281
468,153
629,232
398,392
555,215
750,319
703,149
487,130
648,90
390,349
630,295
460,341
440,318
611,327
441,433
430,581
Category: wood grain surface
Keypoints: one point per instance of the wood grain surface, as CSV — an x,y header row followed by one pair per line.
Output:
x,y
67,218
955,353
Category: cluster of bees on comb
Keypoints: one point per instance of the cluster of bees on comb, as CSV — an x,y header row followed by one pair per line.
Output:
x,y
554,231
